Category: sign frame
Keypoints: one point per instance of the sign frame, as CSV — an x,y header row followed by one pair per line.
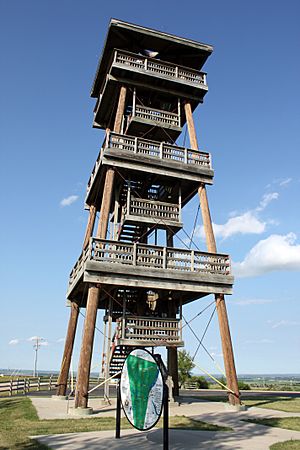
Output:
x,y
160,374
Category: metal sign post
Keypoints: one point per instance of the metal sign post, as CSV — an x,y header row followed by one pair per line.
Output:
x,y
166,418
143,393
118,413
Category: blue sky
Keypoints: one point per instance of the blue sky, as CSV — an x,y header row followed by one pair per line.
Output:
x,y
249,122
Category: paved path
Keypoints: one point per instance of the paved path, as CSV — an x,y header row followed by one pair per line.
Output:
x,y
246,436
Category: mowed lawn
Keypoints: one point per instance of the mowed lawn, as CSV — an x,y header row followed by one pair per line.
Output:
x,y
287,445
287,404
19,420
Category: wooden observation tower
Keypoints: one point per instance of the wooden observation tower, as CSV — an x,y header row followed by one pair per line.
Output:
x,y
147,85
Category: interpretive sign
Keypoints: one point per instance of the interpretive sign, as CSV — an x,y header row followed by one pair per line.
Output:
x,y
141,388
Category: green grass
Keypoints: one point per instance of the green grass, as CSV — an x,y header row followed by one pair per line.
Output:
x,y
286,445
287,404
186,423
289,423
19,420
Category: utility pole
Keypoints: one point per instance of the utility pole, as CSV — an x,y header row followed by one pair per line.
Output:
x,y
36,347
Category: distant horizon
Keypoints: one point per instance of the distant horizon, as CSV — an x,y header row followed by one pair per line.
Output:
x,y
197,374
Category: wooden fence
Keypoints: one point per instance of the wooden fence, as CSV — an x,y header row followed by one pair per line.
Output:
x,y
26,385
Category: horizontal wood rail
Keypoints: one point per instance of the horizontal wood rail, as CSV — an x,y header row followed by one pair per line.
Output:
x,y
151,149
152,257
25,385
157,67
153,209
154,330
156,115
159,150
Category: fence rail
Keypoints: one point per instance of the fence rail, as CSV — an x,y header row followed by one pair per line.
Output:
x,y
26,385
162,68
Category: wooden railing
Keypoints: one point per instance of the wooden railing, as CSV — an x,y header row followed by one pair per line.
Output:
x,y
155,330
163,118
155,257
25,385
159,150
158,67
153,209
152,149
78,266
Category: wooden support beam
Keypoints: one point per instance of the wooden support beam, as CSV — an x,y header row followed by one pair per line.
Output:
x,y
82,384
120,109
74,312
173,369
172,353
191,126
90,226
81,395
227,348
106,202
62,381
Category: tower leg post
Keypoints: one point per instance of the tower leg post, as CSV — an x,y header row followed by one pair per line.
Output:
x,y
82,385
227,348
68,350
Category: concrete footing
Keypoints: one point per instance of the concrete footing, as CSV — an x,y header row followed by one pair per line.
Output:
x,y
82,412
236,408
59,397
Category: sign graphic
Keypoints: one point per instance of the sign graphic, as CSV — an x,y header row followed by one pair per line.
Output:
x,y
141,389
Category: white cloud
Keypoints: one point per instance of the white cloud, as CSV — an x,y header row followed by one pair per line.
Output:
x,y
60,340
276,253
14,342
41,340
285,323
246,223
285,182
217,355
251,301
259,341
267,198
69,200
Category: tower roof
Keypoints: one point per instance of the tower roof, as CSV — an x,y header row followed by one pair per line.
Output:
x,y
138,39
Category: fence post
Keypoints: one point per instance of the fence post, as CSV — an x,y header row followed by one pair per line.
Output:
x,y
50,383
24,386
38,388
11,387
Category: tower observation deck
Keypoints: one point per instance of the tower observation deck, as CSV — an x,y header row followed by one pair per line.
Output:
x,y
147,85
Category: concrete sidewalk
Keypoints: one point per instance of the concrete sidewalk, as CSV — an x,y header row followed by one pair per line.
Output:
x,y
245,435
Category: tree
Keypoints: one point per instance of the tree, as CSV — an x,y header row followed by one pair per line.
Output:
x,y
201,382
185,365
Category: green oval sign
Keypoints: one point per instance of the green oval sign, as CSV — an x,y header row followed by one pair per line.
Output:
x,y
141,389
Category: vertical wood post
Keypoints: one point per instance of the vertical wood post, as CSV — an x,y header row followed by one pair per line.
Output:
x,y
227,348
62,381
108,351
82,385
90,226
172,353
120,110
